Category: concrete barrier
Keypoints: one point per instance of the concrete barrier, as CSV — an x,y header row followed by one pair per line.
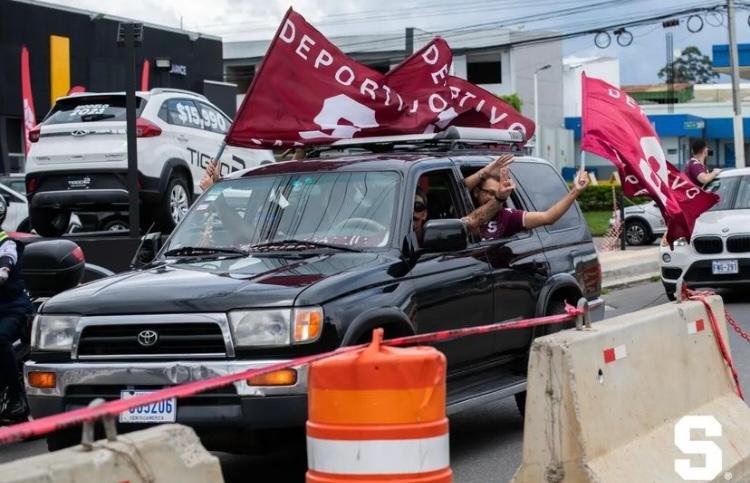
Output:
x,y
603,405
164,453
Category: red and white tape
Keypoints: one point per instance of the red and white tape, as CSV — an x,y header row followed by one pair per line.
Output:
x,y
42,426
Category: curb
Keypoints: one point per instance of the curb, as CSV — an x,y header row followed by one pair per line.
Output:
x,y
625,268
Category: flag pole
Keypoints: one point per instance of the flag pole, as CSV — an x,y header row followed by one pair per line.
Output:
x,y
583,160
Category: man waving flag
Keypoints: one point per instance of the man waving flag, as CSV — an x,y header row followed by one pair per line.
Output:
x,y
615,128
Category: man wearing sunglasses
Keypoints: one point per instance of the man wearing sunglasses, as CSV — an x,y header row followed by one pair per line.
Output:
x,y
420,213
492,185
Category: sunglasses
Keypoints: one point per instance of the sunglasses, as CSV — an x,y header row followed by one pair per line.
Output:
x,y
419,206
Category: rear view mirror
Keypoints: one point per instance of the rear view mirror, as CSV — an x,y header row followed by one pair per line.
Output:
x,y
444,236
52,266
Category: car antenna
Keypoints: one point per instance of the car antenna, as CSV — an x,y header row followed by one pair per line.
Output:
x,y
140,246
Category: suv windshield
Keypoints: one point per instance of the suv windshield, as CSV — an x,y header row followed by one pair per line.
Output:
x,y
345,209
90,109
733,191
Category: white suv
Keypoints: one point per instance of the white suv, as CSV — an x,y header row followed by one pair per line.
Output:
x,y
78,157
719,253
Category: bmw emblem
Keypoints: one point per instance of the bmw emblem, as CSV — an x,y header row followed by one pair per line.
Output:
x,y
147,338
725,230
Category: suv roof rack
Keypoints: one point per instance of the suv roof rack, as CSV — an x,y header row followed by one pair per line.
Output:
x,y
162,90
453,138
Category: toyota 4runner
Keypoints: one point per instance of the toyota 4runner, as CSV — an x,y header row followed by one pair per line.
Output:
x,y
303,257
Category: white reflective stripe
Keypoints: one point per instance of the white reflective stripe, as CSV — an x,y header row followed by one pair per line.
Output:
x,y
392,456
620,352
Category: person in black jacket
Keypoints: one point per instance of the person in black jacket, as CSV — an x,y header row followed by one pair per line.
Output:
x,y
15,309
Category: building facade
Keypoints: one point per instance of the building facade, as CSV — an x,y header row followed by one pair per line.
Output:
x,y
70,47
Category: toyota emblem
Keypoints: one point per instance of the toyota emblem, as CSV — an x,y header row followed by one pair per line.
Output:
x,y
79,132
147,338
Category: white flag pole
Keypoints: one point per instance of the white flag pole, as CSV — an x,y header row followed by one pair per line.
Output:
x,y
583,160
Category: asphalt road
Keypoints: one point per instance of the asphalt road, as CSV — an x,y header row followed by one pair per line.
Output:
x,y
485,441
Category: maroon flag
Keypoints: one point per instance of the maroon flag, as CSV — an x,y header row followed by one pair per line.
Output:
x,y
29,115
145,71
309,92
615,128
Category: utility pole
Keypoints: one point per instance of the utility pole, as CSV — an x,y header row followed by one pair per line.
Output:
x,y
128,35
409,47
739,137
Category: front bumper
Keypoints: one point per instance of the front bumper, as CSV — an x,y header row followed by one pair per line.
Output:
x,y
696,269
238,406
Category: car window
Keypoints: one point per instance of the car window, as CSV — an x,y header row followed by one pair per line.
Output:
x,y
341,208
90,109
213,120
545,187
726,188
442,200
743,195
182,112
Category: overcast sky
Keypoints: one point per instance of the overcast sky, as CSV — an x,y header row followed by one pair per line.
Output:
x,y
240,19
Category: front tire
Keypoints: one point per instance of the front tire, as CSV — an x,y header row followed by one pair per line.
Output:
x,y
638,233
49,222
175,204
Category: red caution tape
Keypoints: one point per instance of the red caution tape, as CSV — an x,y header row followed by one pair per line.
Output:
x,y
42,426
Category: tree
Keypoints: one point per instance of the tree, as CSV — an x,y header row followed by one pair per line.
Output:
x,y
691,66
514,101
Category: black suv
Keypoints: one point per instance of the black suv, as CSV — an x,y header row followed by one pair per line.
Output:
x,y
302,257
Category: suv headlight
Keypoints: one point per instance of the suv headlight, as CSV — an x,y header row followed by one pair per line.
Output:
x,y
258,328
53,332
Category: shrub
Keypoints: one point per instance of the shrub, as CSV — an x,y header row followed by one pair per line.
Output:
x,y
599,198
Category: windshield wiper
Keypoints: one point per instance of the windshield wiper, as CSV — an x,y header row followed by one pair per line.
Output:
x,y
293,243
201,251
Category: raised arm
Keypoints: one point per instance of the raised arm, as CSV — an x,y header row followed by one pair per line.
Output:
x,y
533,219
492,170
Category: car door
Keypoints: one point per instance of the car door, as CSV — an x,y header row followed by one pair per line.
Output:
x,y
452,290
518,269
567,242
186,132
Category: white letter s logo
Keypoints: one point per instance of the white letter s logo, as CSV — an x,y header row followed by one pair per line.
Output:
x,y
710,450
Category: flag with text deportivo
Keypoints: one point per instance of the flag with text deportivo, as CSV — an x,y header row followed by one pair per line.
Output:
x,y
615,128
309,92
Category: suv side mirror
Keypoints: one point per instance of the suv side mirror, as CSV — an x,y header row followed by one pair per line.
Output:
x,y
444,236
150,246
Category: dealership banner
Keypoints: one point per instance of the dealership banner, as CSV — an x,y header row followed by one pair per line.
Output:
x,y
29,115
307,91
615,128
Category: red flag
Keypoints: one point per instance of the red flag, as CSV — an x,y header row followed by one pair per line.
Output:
x,y
29,114
309,92
145,74
615,128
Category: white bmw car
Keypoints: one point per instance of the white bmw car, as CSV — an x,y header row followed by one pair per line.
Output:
x,y
719,253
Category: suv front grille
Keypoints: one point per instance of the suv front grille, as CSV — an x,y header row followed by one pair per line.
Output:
x,y
738,243
199,339
708,244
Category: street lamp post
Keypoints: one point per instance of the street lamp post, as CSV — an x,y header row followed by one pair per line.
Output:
x,y
536,107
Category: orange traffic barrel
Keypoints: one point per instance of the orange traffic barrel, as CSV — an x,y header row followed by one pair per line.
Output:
x,y
378,414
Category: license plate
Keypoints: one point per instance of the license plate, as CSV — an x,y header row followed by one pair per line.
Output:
x,y
79,183
158,412
724,267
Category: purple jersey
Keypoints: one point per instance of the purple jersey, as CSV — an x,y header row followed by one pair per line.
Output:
x,y
508,222
693,169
